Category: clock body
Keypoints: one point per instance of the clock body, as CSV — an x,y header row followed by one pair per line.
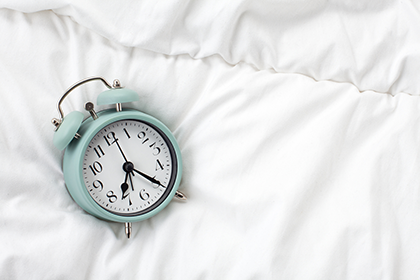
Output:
x,y
125,167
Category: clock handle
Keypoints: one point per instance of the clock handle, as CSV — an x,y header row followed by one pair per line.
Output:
x,y
66,128
60,111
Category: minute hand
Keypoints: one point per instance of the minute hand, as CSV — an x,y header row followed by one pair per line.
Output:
x,y
122,153
151,179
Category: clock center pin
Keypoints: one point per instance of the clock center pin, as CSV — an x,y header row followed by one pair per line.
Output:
x,y
128,167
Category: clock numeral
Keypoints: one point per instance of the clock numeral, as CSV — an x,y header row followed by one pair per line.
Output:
x,y
142,136
110,137
98,185
143,194
96,168
159,165
126,133
155,149
111,196
99,152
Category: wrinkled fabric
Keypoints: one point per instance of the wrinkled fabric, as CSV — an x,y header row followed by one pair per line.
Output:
x,y
297,122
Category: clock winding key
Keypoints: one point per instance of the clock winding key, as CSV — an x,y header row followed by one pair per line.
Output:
x,y
90,108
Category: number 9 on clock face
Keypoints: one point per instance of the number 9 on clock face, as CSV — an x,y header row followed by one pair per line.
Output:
x,y
129,167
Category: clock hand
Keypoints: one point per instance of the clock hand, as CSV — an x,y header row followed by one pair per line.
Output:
x,y
131,180
122,153
124,187
151,179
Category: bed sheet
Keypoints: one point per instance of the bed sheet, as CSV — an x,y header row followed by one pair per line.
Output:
x,y
297,121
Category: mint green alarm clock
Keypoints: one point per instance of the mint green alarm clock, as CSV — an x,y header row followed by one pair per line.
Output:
x,y
119,165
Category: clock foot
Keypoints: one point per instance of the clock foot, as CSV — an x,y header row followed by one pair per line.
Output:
x,y
127,229
180,196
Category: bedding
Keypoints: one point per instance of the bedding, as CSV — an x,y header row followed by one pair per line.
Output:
x,y
298,123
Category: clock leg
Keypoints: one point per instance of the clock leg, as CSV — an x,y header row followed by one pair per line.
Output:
x,y
180,196
127,229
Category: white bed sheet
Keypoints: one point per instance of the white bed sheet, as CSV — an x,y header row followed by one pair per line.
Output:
x,y
298,123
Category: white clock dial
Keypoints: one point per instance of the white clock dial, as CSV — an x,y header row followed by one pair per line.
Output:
x,y
129,167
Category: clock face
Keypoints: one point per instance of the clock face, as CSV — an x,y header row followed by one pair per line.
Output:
x,y
129,167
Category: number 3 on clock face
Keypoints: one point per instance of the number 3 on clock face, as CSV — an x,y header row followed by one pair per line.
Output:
x,y
130,167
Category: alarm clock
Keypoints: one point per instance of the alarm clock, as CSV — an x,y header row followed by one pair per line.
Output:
x,y
119,165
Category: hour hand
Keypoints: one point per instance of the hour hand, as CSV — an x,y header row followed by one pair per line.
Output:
x,y
151,179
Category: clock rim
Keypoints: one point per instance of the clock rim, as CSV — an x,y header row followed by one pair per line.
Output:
x,y
74,155
170,183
